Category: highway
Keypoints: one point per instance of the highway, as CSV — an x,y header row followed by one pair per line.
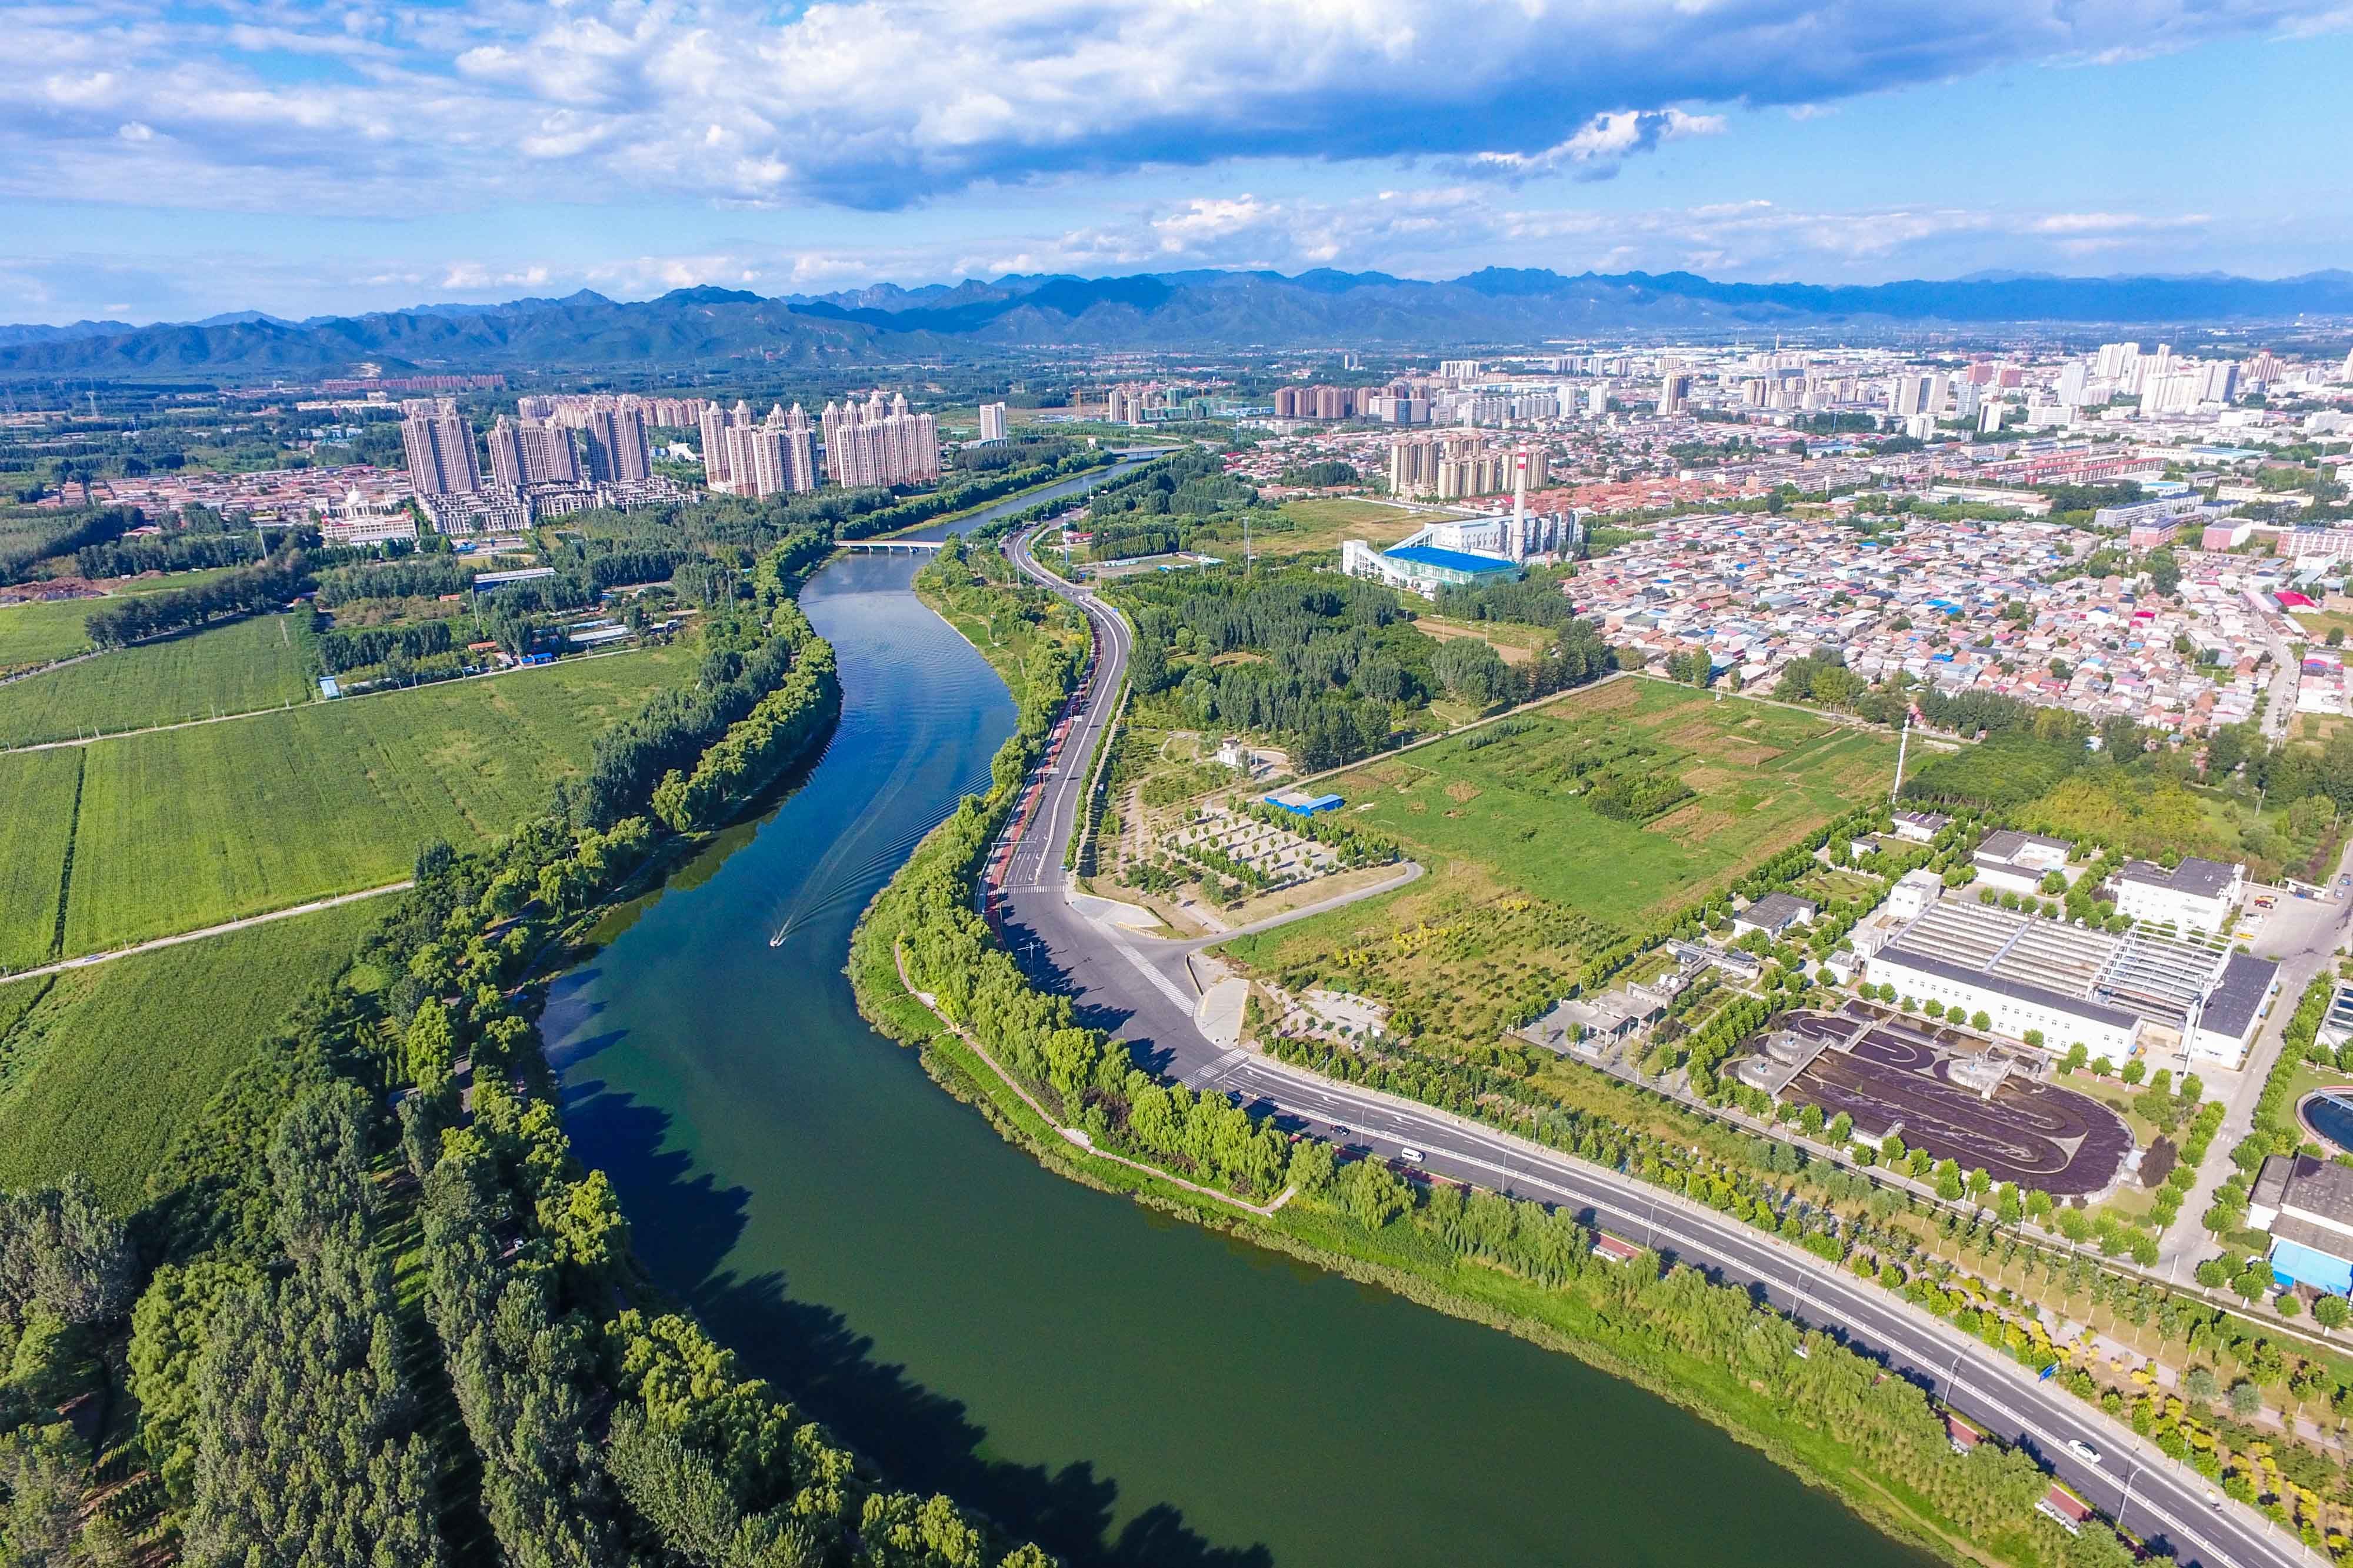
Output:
x,y
1141,989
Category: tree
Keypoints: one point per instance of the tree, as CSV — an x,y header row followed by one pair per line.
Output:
x,y
2246,1399
2035,1039
2077,1055
2329,1313
63,1255
1980,1020
1841,1128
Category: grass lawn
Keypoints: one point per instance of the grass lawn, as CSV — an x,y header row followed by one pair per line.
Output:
x,y
44,630
234,669
1326,521
1527,878
2318,624
102,1067
38,787
190,828
1760,778
1514,642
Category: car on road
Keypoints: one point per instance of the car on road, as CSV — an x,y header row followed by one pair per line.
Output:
x,y
2083,1450
1410,1156
1339,1129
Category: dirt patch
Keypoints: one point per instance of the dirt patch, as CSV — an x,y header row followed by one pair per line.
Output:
x,y
1509,652
1587,700
1695,820
1707,778
1461,792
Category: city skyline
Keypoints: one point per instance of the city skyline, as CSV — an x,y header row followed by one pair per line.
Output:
x,y
1820,144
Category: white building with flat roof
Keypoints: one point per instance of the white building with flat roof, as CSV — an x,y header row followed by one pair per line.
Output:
x,y
2114,994
2196,895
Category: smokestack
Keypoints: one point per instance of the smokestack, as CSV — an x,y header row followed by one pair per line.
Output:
x,y
1520,503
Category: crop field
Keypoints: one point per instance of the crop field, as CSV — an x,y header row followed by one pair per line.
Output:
x,y
187,828
102,1067
233,668
1552,834
38,788
44,630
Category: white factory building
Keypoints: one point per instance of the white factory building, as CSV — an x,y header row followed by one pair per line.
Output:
x,y
2196,895
2115,994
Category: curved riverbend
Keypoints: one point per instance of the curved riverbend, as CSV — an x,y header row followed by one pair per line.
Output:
x,y
1123,1387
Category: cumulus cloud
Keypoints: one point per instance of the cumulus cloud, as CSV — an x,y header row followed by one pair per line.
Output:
x,y
374,107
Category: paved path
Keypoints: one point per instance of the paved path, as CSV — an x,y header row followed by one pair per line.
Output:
x,y
1114,984
311,908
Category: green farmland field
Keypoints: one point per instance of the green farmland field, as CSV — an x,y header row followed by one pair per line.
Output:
x,y
37,790
1759,778
44,630
101,1068
234,669
187,828
1559,834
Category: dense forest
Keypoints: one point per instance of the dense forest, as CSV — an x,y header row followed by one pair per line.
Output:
x,y
1330,664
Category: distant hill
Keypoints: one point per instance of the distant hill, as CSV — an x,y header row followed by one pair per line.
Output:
x,y
1175,311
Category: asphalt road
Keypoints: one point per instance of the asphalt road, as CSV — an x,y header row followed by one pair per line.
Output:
x,y
1141,990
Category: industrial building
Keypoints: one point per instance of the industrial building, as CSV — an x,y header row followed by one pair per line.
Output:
x,y
1424,568
2115,994
2306,1205
2017,862
2196,895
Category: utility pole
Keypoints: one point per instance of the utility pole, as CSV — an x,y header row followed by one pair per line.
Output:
x,y
1902,746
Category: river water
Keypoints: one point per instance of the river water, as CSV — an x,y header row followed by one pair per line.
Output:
x,y
1124,1388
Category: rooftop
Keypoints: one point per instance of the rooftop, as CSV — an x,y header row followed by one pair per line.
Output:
x,y
1448,560
2198,877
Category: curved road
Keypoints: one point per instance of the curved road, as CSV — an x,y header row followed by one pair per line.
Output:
x,y
1141,990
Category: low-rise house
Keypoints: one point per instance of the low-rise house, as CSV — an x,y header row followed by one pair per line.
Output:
x,y
1774,914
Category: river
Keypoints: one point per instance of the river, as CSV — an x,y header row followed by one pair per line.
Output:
x,y
1124,1388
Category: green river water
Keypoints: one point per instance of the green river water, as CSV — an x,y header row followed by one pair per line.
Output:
x,y
1120,1386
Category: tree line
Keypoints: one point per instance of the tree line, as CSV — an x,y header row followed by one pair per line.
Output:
x,y
253,591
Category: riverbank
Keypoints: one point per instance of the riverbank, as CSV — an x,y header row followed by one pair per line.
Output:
x,y
1902,1476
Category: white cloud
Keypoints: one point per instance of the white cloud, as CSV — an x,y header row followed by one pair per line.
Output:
x,y
1598,147
368,108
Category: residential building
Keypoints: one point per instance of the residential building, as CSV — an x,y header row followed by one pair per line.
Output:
x,y
531,452
992,421
440,447
618,450
874,443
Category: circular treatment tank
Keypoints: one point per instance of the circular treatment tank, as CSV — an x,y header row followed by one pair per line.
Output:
x,y
2327,1114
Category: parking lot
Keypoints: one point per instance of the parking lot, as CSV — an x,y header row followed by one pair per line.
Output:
x,y
1891,1076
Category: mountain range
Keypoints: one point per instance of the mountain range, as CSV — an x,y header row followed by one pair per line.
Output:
x,y
1172,311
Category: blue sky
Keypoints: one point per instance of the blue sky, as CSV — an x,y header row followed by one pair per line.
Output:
x,y
169,162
